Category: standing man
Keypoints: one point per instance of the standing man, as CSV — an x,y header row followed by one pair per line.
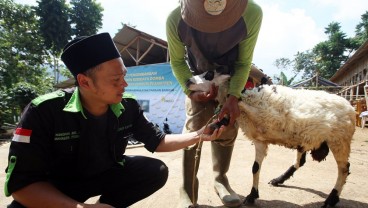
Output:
x,y
69,145
205,35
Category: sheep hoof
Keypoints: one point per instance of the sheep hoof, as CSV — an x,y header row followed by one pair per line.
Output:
x,y
332,199
251,198
277,181
281,179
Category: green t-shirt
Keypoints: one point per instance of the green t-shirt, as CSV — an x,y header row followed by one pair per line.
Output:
x,y
253,19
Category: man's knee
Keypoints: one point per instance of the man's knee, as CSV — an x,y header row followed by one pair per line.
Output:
x,y
163,175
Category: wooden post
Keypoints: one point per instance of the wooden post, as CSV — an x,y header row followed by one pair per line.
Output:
x,y
366,89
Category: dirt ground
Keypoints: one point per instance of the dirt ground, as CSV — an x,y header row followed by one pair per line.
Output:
x,y
309,187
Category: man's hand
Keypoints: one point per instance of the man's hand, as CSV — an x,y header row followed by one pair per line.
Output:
x,y
209,134
231,109
204,96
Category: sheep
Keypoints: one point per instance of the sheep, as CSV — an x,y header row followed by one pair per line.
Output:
x,y
305,120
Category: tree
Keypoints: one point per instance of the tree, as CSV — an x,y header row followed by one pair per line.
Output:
x,y
86,16
328,56
305,62
57,19
283,80
55,28
5,112
361,30
22,94
22,56
14,100
331,53
21,46
54,24
284,64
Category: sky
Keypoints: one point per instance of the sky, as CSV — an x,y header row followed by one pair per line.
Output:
x,y
288,27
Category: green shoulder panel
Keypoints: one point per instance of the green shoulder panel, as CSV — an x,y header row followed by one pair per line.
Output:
x,y
48,96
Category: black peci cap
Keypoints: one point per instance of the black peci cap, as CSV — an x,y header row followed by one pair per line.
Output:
x,y
86,52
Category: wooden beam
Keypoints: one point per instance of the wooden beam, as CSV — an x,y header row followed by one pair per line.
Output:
x,y
154,42
130,55
145,53
138,50
129,44
138,58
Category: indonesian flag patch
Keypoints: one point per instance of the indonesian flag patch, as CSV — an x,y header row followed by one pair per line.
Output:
x,y
22,135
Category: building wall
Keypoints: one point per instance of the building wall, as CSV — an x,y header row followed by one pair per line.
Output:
x,y
353,75
356,73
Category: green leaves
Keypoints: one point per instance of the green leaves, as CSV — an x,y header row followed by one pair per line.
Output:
x,y
328,56
22,93
21,46
361,29
31,41
54,24
332,53
86,16
59,22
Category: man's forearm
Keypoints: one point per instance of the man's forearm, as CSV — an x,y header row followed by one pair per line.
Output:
x,y
173,142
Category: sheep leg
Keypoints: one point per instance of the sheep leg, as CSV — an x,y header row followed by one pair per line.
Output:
x,y
341,155
299,162
261,152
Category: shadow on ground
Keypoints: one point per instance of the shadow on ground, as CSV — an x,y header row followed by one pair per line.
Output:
x,y
285,204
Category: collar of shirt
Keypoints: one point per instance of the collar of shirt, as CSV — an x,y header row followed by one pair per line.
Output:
x,y
74,105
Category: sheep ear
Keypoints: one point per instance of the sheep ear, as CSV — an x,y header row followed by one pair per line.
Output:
x,y
209,75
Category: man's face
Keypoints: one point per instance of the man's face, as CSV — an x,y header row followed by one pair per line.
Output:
x,y
109,83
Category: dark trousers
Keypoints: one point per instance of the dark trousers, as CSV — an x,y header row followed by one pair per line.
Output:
x,y
120,186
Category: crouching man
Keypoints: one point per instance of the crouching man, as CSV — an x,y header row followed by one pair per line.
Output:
x,y
69,145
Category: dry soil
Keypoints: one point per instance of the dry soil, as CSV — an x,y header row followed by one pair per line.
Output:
x,y
309,186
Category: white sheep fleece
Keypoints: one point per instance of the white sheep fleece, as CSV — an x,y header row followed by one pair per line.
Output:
x,y
281,115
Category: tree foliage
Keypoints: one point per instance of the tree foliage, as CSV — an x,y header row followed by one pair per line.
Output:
x,y
284,79
86,15
15,99
21,49
331,54
305,62
22,56
22,93
328,56
59,22
361,30
55,28
55,25
284,64
31,40
5,111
